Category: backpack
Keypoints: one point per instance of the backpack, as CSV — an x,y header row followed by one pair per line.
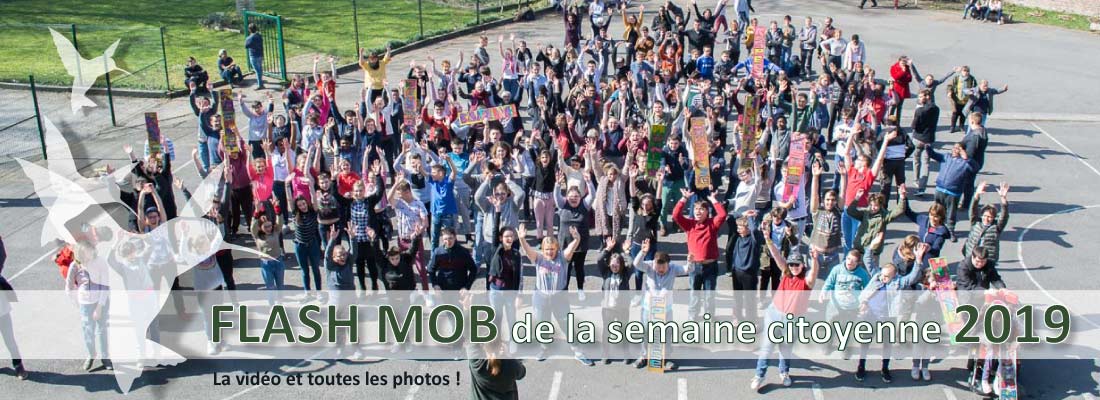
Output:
x,y
63,258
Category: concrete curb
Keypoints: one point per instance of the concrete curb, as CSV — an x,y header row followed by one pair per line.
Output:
x,y
339,70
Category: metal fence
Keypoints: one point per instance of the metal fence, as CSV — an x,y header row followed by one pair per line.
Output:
x,y
141,52
21,133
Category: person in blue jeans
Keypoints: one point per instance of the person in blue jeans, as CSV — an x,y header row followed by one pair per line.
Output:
x,y
254,43
307,244
444,203
266,235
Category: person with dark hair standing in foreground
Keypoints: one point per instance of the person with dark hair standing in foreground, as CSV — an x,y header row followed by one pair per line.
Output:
x,y
494,376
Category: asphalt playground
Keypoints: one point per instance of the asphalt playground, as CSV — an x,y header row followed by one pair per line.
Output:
x,y
1041,142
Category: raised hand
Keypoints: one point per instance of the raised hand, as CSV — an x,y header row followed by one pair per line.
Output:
x,y
685,192
646,245
609,243
521,231
574,232
178,183
333,234
981,188
817,170
1003,191
922,249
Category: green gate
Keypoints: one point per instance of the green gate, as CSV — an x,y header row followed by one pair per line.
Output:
x,y
271,29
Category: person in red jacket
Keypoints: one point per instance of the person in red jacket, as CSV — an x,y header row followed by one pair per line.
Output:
x,y
902,74
702,243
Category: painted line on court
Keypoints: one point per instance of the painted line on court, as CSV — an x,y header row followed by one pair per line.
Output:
x,y
682,389
33,263
48,253
555,387
298,365
818,393
1075,155
949,394
413,390
1023,263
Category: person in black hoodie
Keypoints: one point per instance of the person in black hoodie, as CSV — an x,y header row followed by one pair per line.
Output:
x,y
505,276
6,331
399,279
494,375
925,118
451,266
977,273
615,306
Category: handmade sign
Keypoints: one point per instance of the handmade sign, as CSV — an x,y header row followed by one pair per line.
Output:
x,y
658,312
748,138
152,131
230,135
796,166
759,41
466,118
409,103
700,145
945,293
657,135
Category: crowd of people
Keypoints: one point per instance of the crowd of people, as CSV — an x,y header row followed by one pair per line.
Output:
x,y
373,196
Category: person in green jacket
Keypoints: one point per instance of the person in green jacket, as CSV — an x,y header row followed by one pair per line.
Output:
x,y
872,225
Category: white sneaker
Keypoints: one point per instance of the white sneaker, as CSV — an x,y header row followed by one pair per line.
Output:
x,y
916,373
986,387
756,384
925,374
786,379
580,296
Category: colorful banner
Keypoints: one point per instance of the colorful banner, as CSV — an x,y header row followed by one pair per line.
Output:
x,y
796,166
759,41
230,141
700,146
152,131
658,312
409,103
657,135
945,293
466,118
748,138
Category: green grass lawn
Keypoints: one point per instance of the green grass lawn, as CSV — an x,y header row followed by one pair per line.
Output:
x,y
310,27
1023,14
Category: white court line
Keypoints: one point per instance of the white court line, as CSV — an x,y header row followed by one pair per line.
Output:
x,y
818,393
33,263
682,389
949,394
555,387
182,166
1075,155
411,394
48,253
1027,270
298,365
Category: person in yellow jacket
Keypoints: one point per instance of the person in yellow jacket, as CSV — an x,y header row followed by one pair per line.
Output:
x,y
374,72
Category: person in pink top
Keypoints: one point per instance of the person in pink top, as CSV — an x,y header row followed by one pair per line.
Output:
x,y
262,177
858,179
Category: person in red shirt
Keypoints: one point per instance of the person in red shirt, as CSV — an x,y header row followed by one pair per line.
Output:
x,y
325,83
437,124
702,242
902,74
858,179
791,298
